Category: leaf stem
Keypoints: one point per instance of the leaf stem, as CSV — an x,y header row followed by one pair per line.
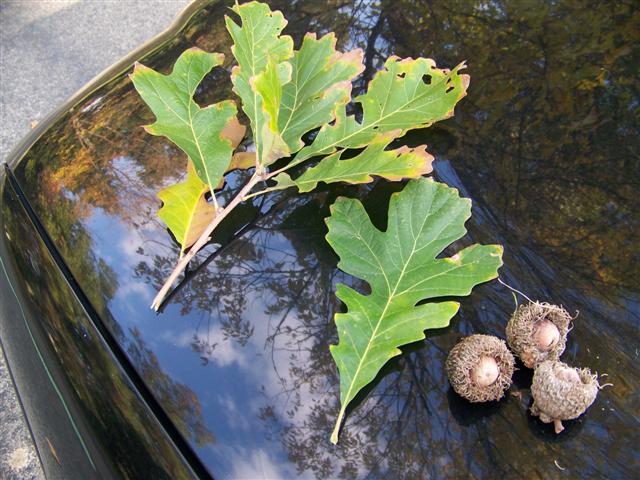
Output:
x,y
213,198
203,239
336,429
271,175
261,192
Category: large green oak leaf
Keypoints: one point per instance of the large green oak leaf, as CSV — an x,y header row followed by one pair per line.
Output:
x,y
402,270
196,131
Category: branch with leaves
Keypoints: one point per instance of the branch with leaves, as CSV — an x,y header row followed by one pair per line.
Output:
x,y
287,94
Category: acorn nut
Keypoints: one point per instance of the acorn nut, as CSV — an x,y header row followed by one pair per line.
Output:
x,y
537,332
561,392
480,367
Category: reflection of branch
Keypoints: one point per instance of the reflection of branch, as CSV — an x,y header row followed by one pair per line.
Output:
x,y
192,273
292,303
370,51
259,176
412,369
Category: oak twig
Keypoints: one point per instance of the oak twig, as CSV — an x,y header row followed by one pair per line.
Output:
x,y
222,213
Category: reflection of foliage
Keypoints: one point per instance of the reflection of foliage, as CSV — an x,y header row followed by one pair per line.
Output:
x,y
581,218
63,220
245,267
179,401
554,128
78,248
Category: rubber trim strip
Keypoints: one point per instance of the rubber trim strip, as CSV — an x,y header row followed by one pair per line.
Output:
x,y
123,360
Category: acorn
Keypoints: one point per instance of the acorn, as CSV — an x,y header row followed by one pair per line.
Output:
x,y
480,367
561,392
537,332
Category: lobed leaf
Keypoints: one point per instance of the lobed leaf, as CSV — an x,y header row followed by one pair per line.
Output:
x,y
256,43
320,84
196,131
407,94
403,162
401,268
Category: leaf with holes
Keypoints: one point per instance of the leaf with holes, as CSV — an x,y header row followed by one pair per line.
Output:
x,y
197,131
403,162
407,94
402,270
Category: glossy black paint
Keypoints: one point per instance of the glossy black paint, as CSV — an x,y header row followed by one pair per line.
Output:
x,y
545,144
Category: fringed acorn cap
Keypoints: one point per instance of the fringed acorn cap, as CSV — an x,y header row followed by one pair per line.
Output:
x,y
561,392
480,367
537,332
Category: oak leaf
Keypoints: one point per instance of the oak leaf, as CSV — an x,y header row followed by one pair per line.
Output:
x,y
402,270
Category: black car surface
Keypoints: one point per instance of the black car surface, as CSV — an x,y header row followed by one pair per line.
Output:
x,y
233,377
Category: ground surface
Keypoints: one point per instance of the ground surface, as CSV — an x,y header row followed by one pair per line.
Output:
x,y
48,50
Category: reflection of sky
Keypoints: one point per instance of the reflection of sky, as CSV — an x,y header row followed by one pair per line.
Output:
x,y
232,387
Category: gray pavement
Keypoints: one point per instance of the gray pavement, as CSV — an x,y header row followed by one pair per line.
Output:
x,y
48,50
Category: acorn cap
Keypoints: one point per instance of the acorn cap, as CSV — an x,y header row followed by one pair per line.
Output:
x,y
524,325
561,392
471,352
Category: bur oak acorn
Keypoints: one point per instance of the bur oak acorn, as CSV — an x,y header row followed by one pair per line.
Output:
x,y
480,367
537,332
561,392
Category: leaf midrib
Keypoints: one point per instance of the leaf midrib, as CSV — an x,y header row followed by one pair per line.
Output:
x,y
196,139
257,139
192,214
384,311
380,119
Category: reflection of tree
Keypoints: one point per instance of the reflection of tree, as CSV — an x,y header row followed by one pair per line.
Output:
x,y
547,134
99,283
246,266
408,425
562,182
63,219
179,401
96,178
552,131
551,136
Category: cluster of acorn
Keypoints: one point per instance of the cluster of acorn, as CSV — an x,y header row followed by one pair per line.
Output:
x,y
480,367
